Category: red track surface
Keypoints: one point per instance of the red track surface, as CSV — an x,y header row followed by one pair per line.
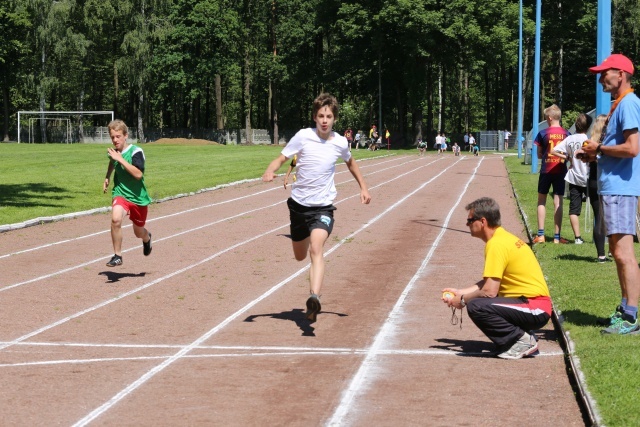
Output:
x,y
210,329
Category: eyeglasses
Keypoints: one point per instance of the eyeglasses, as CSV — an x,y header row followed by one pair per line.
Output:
x,y
473,219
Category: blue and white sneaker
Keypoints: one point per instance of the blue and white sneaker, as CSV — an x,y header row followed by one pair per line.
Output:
x,y
621,326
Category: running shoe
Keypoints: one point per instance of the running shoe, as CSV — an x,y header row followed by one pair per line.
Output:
x,y
313,307
561,240
146,247
603,260
525,346
539,239
622,326
115,261
608,321
578,241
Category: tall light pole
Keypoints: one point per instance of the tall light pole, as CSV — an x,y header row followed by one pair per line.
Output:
x,y
603,35
536,88
519,133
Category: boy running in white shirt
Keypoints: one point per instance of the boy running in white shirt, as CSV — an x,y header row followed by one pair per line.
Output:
x,y
311,202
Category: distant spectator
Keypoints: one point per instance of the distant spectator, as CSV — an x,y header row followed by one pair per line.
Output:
x,y
578,171
552,173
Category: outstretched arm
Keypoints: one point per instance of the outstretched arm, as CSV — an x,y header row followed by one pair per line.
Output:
x,y
273,167
365,198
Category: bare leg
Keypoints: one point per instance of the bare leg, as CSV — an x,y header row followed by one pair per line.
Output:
x,y
622,249
542,210
575,224
117,216
141,233
316,252
557,213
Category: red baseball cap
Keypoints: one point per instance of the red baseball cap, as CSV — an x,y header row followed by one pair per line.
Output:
x,y
616,61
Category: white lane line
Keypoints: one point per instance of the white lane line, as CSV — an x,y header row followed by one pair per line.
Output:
x,y
159,368
388,328
75,239
297,353
189,267
77,266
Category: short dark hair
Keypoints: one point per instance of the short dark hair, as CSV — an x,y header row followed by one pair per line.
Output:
x,y
583,123
487,208
326,100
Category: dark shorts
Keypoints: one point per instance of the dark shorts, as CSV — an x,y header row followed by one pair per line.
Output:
x,y
576,195
137,214
546,180
304,219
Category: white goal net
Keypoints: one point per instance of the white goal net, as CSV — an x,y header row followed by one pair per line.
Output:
x,y
63,126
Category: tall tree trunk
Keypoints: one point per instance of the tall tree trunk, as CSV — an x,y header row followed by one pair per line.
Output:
x,y
467,105
81,108
115,90
440,98
219,116
43,103
140,110
247,95
5,106
273,92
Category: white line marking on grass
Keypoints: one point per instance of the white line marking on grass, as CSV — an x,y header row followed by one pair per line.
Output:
x,y
159,368
387,329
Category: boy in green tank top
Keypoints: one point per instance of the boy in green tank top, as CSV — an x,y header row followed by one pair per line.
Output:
x,y
130,196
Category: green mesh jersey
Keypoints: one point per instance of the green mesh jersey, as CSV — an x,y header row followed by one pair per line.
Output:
x,y
126,185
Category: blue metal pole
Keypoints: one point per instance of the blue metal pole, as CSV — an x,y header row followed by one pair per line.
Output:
x,y
536,88
603,99
519,133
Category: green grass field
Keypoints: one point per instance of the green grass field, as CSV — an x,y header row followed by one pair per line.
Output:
x,y
583,291
42,180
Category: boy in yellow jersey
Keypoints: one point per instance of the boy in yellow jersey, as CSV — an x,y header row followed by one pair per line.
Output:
x,y
130,196
512,299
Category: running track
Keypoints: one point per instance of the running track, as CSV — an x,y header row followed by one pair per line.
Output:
x,y
210,329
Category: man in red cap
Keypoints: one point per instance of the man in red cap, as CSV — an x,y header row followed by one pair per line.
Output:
x,y
619,184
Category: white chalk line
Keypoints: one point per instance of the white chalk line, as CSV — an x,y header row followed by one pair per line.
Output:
x,y
93,261
386,331
258,352
182,352
244,181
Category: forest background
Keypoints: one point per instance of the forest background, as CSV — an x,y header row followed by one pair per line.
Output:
x,y
240,64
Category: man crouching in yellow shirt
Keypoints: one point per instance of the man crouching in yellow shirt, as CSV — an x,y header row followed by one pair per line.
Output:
x,y
512,299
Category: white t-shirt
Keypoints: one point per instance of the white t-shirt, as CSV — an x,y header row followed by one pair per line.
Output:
x,y
507,134
316,166
472,140
578,173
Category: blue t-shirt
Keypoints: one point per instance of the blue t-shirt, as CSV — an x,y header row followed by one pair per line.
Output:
x,y
620,176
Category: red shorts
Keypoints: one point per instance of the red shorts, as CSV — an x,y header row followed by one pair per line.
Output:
x,y
137,214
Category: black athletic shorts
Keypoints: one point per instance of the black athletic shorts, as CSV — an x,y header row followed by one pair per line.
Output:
x,y
546,180
576,195
306,218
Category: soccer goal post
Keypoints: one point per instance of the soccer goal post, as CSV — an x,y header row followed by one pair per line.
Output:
x,y
72,121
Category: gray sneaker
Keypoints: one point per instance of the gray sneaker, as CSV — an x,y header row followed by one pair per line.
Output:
x,y
525,346
622,326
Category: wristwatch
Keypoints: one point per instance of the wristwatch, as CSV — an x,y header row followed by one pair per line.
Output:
x,y
599,149
462,303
